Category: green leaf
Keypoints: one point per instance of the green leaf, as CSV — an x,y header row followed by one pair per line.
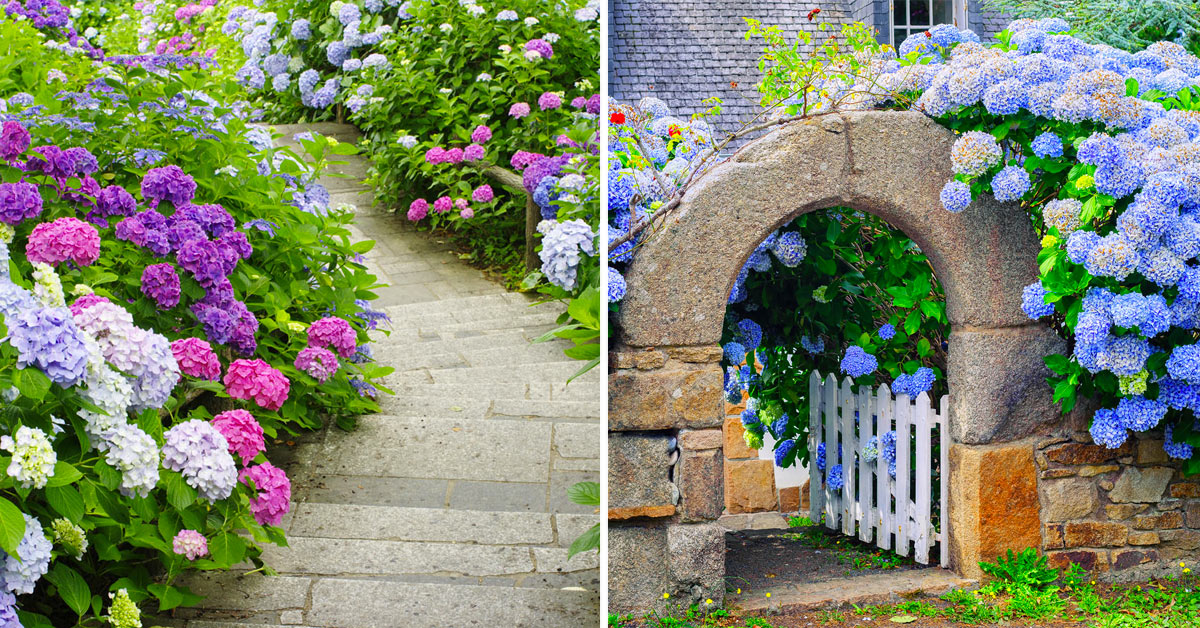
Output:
x,y
903,619
72,588
586,542
64,473
12,526
585,493
227,548
168,596
66,501
180,494
31,383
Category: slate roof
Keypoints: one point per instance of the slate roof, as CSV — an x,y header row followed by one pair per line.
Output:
x,y
684,51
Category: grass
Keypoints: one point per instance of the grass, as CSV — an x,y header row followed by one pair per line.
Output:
x,y
848,551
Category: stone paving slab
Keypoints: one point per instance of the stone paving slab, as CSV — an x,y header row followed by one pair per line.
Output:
x,y
874,589
338,603
343,521
356,556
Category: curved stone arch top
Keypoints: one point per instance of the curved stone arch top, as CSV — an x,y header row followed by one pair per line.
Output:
x,y
890,164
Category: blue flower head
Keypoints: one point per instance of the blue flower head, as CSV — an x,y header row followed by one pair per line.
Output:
x,y
1033,301
779,426
1107,429
1047,145
834,479
735,353
858,362
782,450
887,331
956,196
749,334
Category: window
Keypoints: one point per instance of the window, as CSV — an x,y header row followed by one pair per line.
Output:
x,y
914,17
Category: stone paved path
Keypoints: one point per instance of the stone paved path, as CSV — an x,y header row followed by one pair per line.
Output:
x,y
449,508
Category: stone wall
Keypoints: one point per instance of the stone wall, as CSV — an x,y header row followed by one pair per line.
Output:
x,y
1124,513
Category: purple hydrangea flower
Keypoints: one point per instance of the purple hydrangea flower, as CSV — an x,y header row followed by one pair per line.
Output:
x,y
161,283
197,450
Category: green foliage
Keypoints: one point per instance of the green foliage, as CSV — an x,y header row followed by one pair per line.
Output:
x,y
1018,572
585,494
1128,24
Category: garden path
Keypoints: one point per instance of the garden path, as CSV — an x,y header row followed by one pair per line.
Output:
x,y
449,508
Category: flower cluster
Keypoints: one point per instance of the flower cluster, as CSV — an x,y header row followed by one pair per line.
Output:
x,y
274,492
199,451
259,381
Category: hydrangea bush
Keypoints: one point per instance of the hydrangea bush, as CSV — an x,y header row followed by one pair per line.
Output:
x,y
162,267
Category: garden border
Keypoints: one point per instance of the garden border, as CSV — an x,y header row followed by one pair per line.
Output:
x,y
665,401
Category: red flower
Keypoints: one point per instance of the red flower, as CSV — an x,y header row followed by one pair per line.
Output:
x,y
673,131
813,13
928,34
617,118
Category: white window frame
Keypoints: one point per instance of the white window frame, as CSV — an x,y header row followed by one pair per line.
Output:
x,y
958,10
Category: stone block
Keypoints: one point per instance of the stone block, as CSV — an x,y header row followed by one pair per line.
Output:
x,y
749,485
696,440
696,555
1002,404
1052,536
1088,560
1127,559
701,484
1143,538
1162,521
665,399
638,467
1093,470
993,503
1193,515
1181,539
1120,512
638,572
1151,452
789,499
649,360
1086,453
735,443
1185,490
704,353
805,499
1073,498
1094,534
1141,485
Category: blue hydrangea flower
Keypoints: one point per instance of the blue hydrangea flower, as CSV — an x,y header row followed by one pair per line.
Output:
x,y
1128,310
1184,363
834,479
735,353
1033,301
790,249
778,426
48,339
616,285
750,417
21,572
563,245
956,196
812,346
301,29
1107,430
870,449
1010,184
749,334
1080,245
1178,451
858,362
1139,413
914,384
887,331
1005,98
1047,146
782,450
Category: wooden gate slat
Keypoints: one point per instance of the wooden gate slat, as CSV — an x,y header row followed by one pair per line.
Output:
x,y
903,439
883,493
866,486
847,399
921,521
816,496
832,505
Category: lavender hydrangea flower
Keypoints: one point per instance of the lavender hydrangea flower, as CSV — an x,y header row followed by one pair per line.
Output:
x,y
563,244
48,339
956,196
134,453
197,450
21,572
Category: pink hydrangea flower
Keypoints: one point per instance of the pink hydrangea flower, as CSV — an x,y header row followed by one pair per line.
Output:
x,y
86,301
474,152
549,100
522,158
435,155
579,102
190,543
274,493
196,358
418,209
64,239
442,205
461,203
242,431
481,134
519,110
467,214
318,362
257,380
454,156
483,194
334,332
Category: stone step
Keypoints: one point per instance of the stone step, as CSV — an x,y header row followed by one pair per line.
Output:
x,y
523,321
507,450
482,408
436,525
358,557
361,603
467,313
555,390
457,304
340,132
552,371
407,359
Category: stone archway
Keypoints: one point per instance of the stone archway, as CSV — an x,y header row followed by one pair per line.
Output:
x,y
665,384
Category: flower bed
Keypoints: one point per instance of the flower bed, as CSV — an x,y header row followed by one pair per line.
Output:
x,y
176,291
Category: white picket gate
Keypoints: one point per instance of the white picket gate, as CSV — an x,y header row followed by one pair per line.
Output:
x,y
871,503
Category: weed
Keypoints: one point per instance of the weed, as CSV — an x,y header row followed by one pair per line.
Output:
x,y
1019,571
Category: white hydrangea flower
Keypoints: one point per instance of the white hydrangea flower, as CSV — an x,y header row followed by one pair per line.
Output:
x,y
33,456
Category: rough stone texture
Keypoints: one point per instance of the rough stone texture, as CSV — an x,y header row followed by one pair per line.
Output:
x,y
993,503
1004,403
1068,499
701,485
701,439
464,472
888,163
1163,521
697,560
735,443
638,482
1086,453
1087,559
1141,485
637,568
789,499
667,399
1093,534
749,486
